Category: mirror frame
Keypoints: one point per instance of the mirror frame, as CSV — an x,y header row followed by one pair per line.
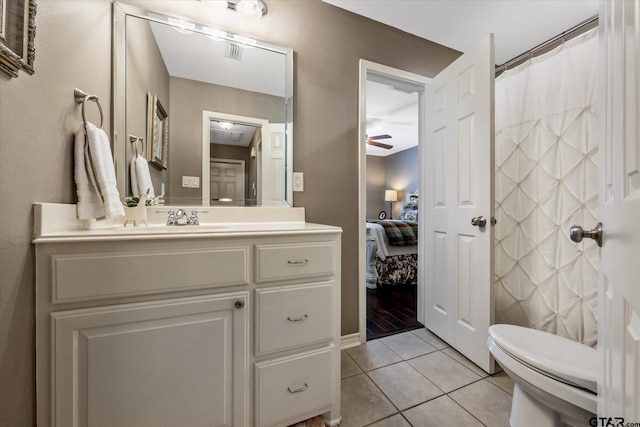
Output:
x,y
119,13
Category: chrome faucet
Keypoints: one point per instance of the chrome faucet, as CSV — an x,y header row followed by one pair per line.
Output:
x,y
181,218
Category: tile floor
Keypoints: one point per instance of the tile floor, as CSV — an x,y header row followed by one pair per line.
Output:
x,y
416,379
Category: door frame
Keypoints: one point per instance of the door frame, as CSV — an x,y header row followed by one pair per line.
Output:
x,y
207,117
415,79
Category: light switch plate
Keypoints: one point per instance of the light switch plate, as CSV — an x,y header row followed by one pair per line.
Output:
x,y
298,181
191,181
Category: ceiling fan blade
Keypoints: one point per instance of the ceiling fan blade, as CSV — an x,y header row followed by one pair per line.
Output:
x,y
379,144
385,136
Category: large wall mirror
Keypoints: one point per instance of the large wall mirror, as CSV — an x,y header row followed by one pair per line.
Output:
x,y
226,102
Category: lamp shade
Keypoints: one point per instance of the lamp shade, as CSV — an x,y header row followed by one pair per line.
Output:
x,y
390,195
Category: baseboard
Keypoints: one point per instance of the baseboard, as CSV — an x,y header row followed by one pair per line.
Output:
x,y
350,341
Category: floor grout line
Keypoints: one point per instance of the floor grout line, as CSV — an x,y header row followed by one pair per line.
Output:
x,y
447,394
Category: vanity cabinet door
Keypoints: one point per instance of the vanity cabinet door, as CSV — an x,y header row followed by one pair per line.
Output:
x,y
178,362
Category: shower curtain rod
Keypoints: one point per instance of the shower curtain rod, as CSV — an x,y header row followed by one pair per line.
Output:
x,y
543,45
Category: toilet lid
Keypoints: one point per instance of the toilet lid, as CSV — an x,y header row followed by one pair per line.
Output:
x,y
558,357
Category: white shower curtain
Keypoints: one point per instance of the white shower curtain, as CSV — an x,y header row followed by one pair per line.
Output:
x,y
546,181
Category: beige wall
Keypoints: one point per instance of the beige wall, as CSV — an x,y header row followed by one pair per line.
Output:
x,y
146,72
376,186
188,99
38,118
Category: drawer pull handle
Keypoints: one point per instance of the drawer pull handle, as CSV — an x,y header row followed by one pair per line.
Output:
x,y
298,319
298,390
302,262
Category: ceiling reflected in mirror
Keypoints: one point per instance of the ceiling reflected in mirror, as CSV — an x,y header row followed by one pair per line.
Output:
x,y
235,134
219,58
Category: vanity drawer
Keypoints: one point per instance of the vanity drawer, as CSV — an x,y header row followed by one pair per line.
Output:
x,y
293,261
293,386
292,316
89,276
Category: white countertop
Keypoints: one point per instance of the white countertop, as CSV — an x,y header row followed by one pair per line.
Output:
x,y
58,223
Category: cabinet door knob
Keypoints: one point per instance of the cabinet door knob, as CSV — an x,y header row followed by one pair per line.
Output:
x,y
239,303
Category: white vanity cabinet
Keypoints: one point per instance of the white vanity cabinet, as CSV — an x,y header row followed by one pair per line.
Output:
x,y
224,328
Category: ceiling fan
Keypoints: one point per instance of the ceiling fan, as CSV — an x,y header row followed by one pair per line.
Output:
x,y
372,140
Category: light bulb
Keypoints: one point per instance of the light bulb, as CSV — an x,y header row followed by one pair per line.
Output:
x,y
246,42
182,26
213,34
216,4
249,8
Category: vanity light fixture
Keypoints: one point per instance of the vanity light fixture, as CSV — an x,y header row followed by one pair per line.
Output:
x,y
225,125
252,9
182,26
246,42
215,35
216,4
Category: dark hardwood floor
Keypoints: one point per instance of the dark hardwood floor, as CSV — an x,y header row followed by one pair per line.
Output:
x,y
391,310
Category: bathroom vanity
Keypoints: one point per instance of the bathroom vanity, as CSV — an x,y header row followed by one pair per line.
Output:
x,y
235,322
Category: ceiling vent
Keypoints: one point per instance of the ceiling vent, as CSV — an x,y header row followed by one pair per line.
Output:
x,y
233,50
226,135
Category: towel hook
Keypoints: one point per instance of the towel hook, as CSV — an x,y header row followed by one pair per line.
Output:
x,y
82,98
134,142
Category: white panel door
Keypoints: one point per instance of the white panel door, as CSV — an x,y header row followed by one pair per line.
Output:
x,y
273,163
179,362
227,181
619,275
458,186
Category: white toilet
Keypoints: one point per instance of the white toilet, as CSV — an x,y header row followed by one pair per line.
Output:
x,y
555,378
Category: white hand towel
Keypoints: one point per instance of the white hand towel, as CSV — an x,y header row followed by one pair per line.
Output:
x,y
141,177
95,176
133,176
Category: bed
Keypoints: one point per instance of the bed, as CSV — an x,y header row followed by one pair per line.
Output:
x,y
392,250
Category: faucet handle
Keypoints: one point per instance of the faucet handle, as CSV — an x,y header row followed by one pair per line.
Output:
x,y
171,218
193,220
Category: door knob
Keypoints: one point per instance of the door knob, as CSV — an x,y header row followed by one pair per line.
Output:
x,y
576,233
479,221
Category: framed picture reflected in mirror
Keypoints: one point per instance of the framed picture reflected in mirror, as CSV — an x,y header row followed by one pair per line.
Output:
x,y
157,133
17,35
